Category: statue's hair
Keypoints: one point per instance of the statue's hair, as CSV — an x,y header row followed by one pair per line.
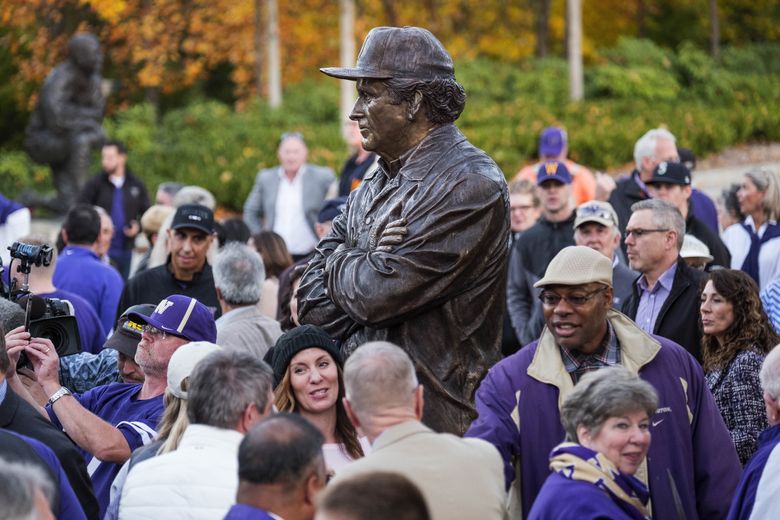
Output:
x,y
443,98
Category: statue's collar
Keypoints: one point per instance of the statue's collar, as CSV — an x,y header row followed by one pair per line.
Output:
x,y
416,162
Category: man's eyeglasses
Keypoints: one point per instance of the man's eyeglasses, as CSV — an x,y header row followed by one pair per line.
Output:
x,y
154,332
521,208
639,233
552,299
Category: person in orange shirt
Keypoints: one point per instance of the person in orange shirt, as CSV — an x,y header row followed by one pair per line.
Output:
x,y
553,146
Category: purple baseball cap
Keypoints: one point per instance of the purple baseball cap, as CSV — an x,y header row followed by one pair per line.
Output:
x,y
552,141
181,316
553,170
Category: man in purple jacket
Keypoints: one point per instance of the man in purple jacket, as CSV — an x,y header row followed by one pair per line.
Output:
x,y
691,469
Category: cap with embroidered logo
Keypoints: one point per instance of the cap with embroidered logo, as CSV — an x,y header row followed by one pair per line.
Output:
x,y
671,173
194,216
181,316
596,211
553,170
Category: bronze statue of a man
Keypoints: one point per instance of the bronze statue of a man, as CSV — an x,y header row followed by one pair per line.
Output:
x,y
418,256
66,124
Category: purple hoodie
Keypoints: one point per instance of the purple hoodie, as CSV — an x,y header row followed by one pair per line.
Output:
x,y
518,405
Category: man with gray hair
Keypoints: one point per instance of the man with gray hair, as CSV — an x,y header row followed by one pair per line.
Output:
x,y
596,227
25,492
238,278
459,478
758,494
172,485
692,468
665,298
655,146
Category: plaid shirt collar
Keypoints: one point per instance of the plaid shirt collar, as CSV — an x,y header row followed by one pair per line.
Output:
x,y
608,354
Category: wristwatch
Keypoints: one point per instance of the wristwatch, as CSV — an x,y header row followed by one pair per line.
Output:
x,y
56,395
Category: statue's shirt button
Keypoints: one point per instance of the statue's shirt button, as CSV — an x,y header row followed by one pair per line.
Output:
x,y
368,220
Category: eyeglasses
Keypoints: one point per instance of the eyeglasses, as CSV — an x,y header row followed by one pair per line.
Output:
x,y
595,211
639,233
521,208
552,299
154,332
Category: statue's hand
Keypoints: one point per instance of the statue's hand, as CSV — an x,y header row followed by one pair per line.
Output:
x,y
392,235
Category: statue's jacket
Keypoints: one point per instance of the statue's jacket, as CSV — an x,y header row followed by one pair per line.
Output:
x,y
439,294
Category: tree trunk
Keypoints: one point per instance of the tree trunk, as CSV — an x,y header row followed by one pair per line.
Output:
x,y
347,33
714,30
574,17
541,10
390,14
274,61
641,10
259,48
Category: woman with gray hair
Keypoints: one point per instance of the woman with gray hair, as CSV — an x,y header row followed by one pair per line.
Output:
x,y
607,423
754,243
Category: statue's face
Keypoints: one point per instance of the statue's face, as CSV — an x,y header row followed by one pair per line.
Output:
x,y
383,123
86,54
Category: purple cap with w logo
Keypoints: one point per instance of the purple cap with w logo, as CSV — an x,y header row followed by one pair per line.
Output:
x,y
181,316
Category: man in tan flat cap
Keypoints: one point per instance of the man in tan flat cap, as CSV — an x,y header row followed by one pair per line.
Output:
x,y
518,402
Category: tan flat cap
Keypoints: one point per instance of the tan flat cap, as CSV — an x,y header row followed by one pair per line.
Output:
x,y
577,265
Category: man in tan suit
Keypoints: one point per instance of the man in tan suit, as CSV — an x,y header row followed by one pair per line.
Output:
x,y
459,478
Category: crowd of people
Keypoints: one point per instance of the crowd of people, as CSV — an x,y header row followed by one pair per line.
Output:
x,y
227,372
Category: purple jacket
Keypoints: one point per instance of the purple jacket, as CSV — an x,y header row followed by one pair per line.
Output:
x,y
519,403
564,499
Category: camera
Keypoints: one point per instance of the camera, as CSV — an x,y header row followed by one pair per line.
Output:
x,y
53,319
31,254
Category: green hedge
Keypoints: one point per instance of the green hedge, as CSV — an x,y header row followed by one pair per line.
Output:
x,y
630,88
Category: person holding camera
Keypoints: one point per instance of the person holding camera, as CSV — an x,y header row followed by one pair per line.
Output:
x,y
108,422
41,280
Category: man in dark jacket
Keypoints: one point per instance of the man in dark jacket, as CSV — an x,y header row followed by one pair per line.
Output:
x,y
186,272
123,196
418,256
655,146
539,244
665,300
691,468
672,182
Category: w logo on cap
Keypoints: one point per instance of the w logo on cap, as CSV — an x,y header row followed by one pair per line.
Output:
x,y
551,168
163,306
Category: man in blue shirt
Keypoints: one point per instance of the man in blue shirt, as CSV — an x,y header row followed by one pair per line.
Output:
x,y
281,469
79,270
109,422
665,299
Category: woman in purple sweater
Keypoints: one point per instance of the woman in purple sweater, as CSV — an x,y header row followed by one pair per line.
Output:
x,y
607,424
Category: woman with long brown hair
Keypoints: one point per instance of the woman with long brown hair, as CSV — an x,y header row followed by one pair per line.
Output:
x,y
737,336
309,381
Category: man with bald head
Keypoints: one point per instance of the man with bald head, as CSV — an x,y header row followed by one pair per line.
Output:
x,y
459,478
286,199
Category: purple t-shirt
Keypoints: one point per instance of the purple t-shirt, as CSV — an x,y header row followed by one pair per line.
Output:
x,y
115,403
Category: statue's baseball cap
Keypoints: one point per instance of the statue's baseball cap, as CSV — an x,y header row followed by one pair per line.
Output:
x,y
577,265
398,52
181,316
553,170
128,332
194,216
